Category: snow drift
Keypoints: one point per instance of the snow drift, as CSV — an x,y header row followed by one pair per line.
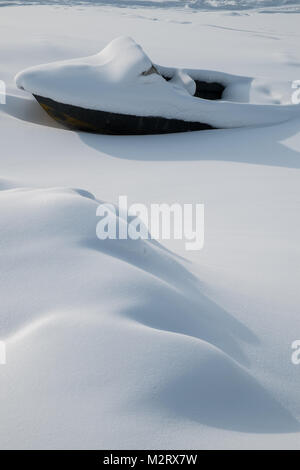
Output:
x,y
180,356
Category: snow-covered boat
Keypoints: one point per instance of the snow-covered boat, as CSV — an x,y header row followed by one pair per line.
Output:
x,y
120,91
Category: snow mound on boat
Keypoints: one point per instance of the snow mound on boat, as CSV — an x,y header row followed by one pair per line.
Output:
x,y
120,61
122,79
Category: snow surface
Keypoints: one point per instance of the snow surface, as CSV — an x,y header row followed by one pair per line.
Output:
x,y
206,5
118,80
142,344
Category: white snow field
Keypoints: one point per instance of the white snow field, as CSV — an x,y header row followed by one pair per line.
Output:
x,y
142,344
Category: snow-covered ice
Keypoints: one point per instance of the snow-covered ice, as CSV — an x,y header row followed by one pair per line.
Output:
x,y
124,344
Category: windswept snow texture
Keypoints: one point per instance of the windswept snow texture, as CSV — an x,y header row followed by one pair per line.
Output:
x,y
160,325
123,344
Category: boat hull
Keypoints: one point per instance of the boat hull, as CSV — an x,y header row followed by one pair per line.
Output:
x,y
103,122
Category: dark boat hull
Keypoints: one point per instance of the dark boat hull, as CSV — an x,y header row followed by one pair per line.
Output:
x,y
102,122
